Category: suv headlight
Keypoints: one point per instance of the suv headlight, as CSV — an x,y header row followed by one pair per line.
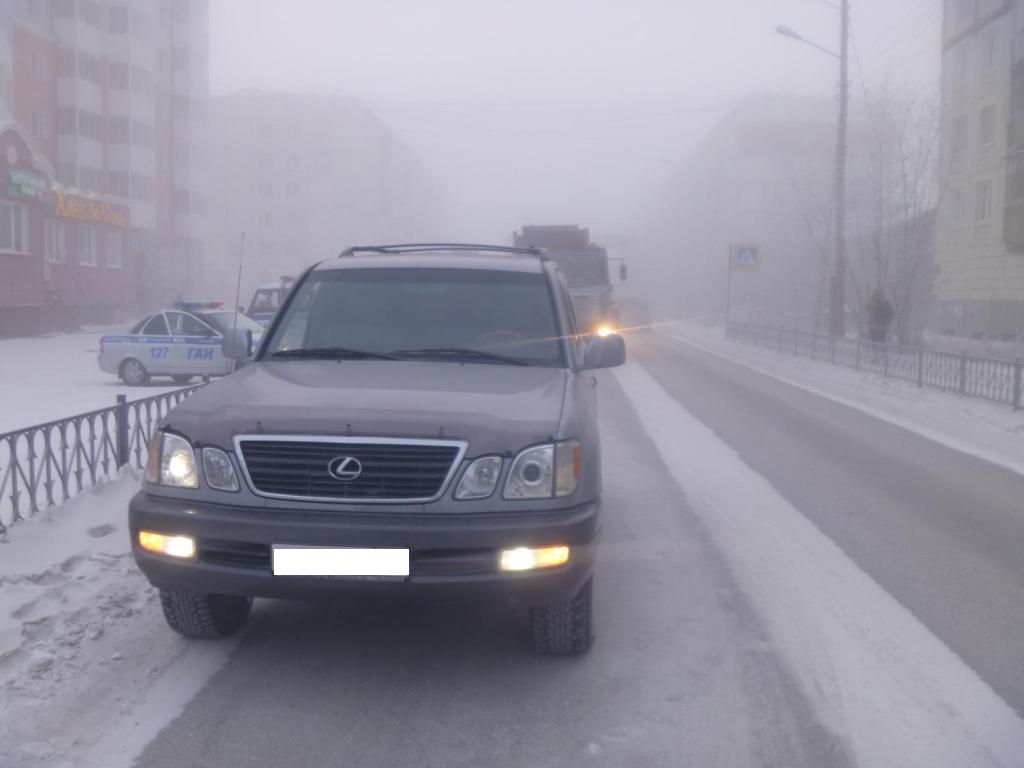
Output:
x,y
218,470
171,461
545,471
480,478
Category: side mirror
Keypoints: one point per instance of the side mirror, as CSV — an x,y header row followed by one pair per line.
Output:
x,y
605,351
238,343
623,272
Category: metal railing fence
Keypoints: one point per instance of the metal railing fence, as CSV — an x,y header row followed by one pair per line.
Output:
x,y
983,377
47,464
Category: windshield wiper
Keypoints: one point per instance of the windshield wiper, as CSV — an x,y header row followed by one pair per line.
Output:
x,y
459,353
331,353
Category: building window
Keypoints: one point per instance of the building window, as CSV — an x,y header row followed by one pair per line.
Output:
x,y
87,246
114,252
989,49
265,189
265,131
294,189
119,19
962,63
266,160
180,106
90,125
12,228
958,204
118,131
179,153
40,68
39,125
181,201
142,134
66,62
142,188
140,24
266,247
67,174
198,203
959,135
90,178
266,218
118,76
67,121
90,68
142,80
56,245
119,184
983,201
89,12
987,126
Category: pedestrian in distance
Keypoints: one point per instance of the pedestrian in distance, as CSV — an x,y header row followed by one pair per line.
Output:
x,y
880,316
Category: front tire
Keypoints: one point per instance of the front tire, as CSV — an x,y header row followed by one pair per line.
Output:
x,y
134,373
565,628
204,617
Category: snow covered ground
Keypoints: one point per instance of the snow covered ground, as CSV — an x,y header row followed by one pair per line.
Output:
x,y
89,672
988,430
44,378
875,674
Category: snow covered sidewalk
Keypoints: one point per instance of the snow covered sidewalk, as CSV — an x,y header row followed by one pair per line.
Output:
x,y
89,672
990,431
45,378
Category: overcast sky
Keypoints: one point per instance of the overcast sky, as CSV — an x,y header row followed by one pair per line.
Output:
x,y
542,111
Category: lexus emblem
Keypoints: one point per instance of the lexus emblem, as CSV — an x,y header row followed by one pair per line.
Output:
x,y
345,468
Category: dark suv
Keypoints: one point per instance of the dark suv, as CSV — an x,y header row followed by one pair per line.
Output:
x,y
417,418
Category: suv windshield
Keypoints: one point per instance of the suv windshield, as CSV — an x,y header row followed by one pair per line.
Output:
x,y
458,315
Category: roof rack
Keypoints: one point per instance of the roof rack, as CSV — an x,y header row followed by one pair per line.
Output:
x,y
429,247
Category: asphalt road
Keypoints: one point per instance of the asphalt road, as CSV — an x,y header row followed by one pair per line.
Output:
x,y
681,673
941,531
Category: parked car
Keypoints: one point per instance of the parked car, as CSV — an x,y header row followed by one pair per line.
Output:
x,y
419,419
267,299
182,342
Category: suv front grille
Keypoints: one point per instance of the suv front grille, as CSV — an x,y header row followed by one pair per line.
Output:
x,y
390,469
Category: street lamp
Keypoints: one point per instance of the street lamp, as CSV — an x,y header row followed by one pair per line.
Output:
x,y
837,300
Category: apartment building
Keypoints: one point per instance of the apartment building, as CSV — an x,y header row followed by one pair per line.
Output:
x,y
304,176
980,224
105,121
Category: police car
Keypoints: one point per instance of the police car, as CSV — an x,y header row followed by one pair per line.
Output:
x,y
181,342
268,298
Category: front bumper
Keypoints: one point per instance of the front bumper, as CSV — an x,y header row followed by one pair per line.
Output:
x,y
451,555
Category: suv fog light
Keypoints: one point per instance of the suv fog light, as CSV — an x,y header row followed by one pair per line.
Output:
x,y
527,559
182,547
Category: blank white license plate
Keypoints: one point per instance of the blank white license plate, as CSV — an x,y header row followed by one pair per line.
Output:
x,y
329,561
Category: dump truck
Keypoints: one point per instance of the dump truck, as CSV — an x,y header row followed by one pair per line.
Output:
x,y
586,268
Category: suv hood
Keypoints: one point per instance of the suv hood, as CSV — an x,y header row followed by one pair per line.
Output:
x,y
496,408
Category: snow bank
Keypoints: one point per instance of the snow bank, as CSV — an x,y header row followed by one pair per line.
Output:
x,y
46,378
873,671
89,672
989,431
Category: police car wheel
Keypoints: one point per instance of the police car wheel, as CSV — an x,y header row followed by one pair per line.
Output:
x,y
134,373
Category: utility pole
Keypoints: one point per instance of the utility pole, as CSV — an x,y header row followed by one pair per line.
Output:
x,y
837,307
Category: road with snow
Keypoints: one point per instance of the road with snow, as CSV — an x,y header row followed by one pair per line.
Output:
x,y
783,580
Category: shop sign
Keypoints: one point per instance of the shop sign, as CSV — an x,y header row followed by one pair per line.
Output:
x,y
91,211
23,183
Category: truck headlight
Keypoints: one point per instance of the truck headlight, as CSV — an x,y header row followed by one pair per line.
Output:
x,y
218,470
545,471
479,479
171,461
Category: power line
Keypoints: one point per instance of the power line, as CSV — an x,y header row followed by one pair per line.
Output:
x,y
894,35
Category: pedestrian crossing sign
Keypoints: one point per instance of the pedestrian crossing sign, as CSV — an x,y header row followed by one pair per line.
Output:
x,y
746,257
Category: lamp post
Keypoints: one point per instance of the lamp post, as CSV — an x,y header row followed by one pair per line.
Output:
x,y
837,295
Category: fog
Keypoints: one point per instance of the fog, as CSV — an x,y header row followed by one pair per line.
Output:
x,y
568,112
